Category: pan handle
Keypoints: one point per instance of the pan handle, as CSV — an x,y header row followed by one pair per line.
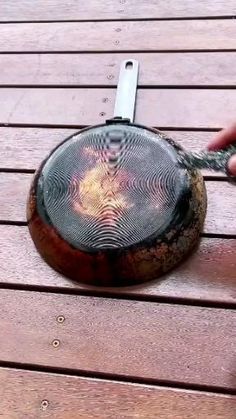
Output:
x,y
211,160
126,90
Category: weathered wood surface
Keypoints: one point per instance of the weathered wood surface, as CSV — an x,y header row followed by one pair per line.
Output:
x,y
156,69
14,189
41,395
118,337
116,36
200,108
199,278
112,9
169,343
25,148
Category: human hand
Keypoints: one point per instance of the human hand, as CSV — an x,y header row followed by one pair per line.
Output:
x,y
223,139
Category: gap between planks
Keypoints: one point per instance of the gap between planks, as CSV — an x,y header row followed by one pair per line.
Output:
x,y
128,19
118,378
105,86
122,296
79,127
121,51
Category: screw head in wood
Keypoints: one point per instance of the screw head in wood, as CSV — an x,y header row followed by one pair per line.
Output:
x,y
60,319
44,404
55,343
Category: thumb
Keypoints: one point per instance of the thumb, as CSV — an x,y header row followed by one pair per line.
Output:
x,y
232,165
223,138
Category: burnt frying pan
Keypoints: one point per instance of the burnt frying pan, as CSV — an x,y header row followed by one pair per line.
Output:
x,y
119,203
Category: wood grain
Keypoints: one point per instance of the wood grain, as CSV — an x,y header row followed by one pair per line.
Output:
x,y
127,338
25,148
160,69
119,36
73,397
14,189
115,337
119,9
199,278
221,208
201,108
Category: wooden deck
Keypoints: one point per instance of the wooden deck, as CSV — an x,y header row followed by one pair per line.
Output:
x,y
162,350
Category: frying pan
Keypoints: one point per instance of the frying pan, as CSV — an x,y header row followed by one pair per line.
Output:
x,y
119,203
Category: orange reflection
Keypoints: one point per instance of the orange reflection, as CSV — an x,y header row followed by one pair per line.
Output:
x,y
99,194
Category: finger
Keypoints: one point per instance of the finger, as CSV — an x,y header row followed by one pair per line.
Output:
x,y
232,165
223,138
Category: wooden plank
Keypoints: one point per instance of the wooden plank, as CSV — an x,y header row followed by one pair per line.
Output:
x,y
220,217
108,9
119,36
14,189
38,395
200,277
156,69
25,148
201,108
126,338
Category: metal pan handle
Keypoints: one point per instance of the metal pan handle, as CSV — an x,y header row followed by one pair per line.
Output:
x,y
211,160
126,90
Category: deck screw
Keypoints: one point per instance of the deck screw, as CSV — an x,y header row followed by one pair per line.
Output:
x,y
116,42
102,114
105,99
55,343
110,76
118,29
60,319
122,1
44,404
